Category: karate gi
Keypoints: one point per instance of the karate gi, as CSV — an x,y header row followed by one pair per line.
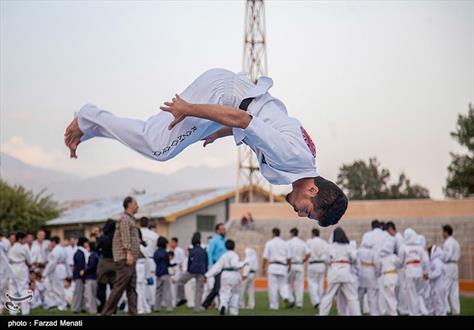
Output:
x,y
6,273
248,285
367,259
388,265
277,253
298,251
19,259
283,148
437,282
151,238
39,252
55,273
452,254
317,248
229,293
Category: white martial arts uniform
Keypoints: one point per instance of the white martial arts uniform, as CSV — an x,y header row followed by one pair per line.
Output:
x,y
340,278
317,248
388,265
249,273
56,272
298,251
70,250
39,251
19,259
6,273
452,254
178,259
277,253
415,263
437,282
284,150
367,259
229,292
151,238
401,287
425,286
141,267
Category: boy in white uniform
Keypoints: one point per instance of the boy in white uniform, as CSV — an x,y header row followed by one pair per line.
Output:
x,y
221,103
229,292
367,258
277,255
437,282
6,273
316,267
20,259
299,254
249,273
151,238
452,254
55,273
388,266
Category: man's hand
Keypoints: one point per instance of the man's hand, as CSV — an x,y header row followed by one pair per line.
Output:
x,y
72,137
81,273
225,131
178,107
129,260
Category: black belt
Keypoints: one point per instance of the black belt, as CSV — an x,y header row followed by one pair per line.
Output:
x,y
252,271
316,262
245,103
278,262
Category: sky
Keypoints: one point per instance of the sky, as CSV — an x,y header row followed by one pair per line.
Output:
x,y
382,79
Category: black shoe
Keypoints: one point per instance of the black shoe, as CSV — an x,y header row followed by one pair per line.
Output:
x,y
316,306
288,304
222,311
181,302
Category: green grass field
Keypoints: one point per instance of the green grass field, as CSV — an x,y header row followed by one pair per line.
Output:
x,y
467,308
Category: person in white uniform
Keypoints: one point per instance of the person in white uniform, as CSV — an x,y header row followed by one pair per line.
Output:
x,y
388,265
150,237
276,254
71,248
229,293
178,262
452,254
415,263
299,254
6,273
39,249
221,103
341,257
55,273
20,260
437,282
318,249
249,274
367,259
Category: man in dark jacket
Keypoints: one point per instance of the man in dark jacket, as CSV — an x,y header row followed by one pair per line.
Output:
x,y
197,267
78,274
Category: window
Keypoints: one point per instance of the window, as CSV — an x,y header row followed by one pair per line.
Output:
x,y
206,222
68,233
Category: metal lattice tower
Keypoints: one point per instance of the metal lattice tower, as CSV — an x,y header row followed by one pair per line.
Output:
x,y
255,64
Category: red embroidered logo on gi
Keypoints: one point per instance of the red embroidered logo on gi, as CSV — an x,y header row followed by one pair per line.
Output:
x,y
309,141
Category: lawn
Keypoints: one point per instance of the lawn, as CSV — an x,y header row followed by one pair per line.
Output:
x,y
467,308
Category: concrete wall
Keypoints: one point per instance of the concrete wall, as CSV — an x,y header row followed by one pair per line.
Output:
x,y
425,216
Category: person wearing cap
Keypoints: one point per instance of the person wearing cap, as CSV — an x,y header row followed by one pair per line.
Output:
x,y
221,103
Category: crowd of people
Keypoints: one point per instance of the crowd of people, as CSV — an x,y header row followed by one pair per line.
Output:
x,y
128,267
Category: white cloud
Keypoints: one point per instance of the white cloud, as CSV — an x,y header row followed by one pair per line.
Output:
x,y
31,154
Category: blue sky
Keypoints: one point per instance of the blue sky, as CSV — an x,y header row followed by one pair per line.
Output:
x,y
384,79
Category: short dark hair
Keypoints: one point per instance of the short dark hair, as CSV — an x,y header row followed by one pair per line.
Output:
x,y
230,245
174,239
375,224
390,224
127,201
162,242
196,239
448,229
276,231
294,231
144,221
55,239
315,232
20,235
81,241
216,228
330,202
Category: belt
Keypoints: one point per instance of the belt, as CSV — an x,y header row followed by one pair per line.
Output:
x,y
278,262
245,103
392,271
410,262
252,271
18,262
341,262
316,262
230,269
367,264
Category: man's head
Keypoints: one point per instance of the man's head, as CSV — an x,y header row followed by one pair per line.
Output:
x,y
196,239
375,224
220,229
40,235
29,238
54,241
391,229
315,232
72,241
144,222
20,237
173,243
130,205
83,241
230,245
447,231
276,232
11,237
318,199
162,242
294,232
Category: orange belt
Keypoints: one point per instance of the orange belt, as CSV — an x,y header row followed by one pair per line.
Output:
x,y
341,262
413,262
393,271
367,264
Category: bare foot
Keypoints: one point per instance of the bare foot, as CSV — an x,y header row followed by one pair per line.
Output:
x,y
72,137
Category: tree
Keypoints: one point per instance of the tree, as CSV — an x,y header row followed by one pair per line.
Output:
x,y
368,181
460,181
21,209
